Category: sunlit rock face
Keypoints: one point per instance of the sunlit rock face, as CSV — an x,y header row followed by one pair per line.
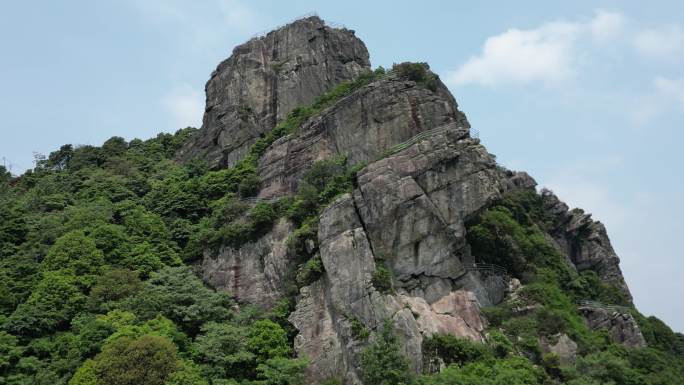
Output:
x,y
266,78
407,211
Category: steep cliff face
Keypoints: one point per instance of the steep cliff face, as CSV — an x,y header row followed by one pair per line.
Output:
x,y
406,213
584,241
265,79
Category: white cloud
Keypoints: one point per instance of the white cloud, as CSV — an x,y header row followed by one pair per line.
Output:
x,y
670,88
547,54
184,105
662,42
665,95
521,56
606,25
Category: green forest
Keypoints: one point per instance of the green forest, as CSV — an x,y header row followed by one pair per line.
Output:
x,y
98,286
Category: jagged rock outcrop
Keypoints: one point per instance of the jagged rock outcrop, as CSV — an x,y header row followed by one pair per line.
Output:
x,y
254,273
360,126
407,211
561,345
266,78
402,214
584,241
345,295
621,326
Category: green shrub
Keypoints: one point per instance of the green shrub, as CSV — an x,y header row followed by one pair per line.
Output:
x,y
454,349
358,329
306,232
382,362
310,271
262,216
419,73
144,360
382,279
281,371
513,370
249,185
551,363
267,340
500,344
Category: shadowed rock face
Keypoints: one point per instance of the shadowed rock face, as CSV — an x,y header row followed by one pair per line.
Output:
x,y
266,78
585,242
621,326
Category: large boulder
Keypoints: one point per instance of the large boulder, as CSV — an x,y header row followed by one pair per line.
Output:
x,y
619,324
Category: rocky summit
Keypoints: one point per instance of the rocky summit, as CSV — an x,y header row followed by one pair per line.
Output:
x,y
329,223
406,214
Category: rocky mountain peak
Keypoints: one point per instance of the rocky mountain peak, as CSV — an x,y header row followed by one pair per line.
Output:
x,y
266,78
411,241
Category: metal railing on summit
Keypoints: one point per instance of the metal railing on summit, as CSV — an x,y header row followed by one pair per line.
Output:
x,y
261,34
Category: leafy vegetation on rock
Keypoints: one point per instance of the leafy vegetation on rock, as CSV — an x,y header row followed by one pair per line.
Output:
x,y
419,73
94,291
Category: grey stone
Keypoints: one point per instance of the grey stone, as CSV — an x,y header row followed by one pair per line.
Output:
x,y
407,210
361,126
562,345
584,241
266,78
254,273
621,326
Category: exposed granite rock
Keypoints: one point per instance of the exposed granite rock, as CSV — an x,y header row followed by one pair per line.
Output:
x,y
563,346
584,241
621,326
254,273
406,211
414,204
361,126
392,216
325,309
457,313
267,77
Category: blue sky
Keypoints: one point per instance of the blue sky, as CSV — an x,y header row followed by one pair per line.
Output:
x,y
588,97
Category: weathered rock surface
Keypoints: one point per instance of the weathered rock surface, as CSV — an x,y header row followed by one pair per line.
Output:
x,y
563,346
254,273
414,205
361,126
621,326
325,310
266,78
584,241
407,210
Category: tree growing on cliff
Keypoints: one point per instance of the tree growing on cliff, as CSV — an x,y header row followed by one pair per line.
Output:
x,y
382,362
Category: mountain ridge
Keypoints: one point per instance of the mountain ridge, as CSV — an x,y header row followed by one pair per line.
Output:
x,y
339,238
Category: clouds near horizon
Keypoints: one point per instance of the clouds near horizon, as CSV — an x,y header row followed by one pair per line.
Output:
x,y
549,54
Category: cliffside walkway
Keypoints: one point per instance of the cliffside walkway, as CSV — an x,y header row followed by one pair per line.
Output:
x,y
419,138
598,305
255,200
486,267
